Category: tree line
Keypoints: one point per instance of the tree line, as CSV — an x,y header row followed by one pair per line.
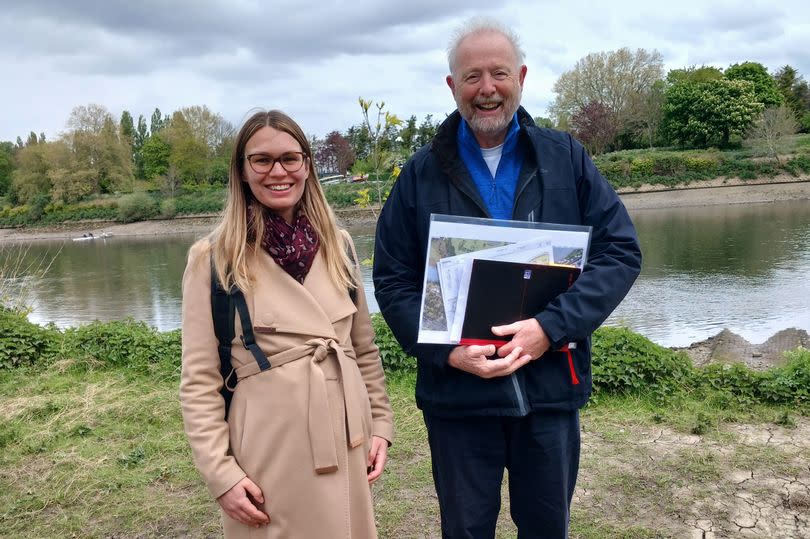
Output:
x,y
610,101
97,155
622,99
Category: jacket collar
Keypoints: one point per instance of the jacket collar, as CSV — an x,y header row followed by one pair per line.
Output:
x,y
444,147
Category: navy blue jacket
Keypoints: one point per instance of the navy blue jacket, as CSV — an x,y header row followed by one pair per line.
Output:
x,y
558,183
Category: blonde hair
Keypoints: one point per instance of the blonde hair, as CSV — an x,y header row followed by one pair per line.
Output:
x,y
232,238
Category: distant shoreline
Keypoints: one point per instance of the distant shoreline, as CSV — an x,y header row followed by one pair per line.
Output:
x,y
709,193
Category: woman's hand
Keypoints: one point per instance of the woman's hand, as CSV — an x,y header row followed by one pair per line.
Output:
x,y
376,458
245,503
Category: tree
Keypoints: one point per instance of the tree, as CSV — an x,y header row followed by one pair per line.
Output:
x,y
647,113
155,154
30,177
771,128
189,154
6,166
207,127
138,139
97,149
360,140
542,121
765,88
407,136
593,124
694,74
32,139
127,126
334,154
709,113
380,160
427,130
158,121
615,79
126,130
795,92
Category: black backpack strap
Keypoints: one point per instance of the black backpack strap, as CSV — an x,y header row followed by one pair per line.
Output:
x,y
222,311
247,337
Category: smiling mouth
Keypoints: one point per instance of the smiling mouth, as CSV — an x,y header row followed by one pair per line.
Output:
x,y
487,107
280,186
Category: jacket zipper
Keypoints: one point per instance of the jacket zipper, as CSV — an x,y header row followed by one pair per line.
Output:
x,y
520,397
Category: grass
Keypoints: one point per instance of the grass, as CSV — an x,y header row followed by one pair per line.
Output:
x,y
101,453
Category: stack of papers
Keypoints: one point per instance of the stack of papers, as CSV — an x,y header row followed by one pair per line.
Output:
x,y
531,263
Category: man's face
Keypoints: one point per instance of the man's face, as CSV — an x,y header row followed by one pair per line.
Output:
x,y
487,84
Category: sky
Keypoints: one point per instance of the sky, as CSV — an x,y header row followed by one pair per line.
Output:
x,y
314,58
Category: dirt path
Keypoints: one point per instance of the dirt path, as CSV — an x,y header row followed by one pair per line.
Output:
x,y
742,481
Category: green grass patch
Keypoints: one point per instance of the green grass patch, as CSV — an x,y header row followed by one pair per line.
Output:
x,y
93,445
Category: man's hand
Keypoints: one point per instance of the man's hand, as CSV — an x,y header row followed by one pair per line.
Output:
x,y
527,335
473,359
377,456
243,503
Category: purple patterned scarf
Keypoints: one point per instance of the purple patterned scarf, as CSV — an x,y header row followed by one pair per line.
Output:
x,y
293,247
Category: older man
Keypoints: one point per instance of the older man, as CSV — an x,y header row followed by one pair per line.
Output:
x,y
516,407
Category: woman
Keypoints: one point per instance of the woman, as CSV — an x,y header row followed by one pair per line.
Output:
x,y
304,438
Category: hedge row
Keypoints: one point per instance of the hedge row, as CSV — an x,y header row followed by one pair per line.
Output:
x,y
145,205
623,362
670,168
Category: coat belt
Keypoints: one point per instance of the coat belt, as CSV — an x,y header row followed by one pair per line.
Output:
x,y
321,435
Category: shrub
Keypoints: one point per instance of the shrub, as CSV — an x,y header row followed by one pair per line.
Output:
x,y
642,166
37,206
207,200
125,344
23,343
391,353
798,165
627,363
343,195
168,208
136,207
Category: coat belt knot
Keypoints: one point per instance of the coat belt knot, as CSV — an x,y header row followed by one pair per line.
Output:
x,y
321,436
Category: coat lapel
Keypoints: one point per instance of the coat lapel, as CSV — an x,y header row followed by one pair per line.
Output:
x,y
282,304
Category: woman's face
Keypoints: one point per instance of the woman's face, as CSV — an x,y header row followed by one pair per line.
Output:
x,y
273,154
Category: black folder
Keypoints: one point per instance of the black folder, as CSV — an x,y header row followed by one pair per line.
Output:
x,y
505,292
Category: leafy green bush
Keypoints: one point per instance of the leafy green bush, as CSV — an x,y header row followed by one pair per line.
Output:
x,y
391,353
798,165
343,195
193,202
37,206
789,384
80,212
168,208
23,343
126,344
626,362
136,207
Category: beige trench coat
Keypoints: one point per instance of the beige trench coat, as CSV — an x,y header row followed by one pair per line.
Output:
x,y
301,430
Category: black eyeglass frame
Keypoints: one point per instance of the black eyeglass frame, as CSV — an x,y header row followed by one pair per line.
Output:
x,y
275,160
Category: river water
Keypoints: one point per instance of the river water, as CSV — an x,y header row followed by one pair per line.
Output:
x,y
741,267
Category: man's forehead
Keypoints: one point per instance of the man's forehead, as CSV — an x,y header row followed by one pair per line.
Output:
x,y
487,44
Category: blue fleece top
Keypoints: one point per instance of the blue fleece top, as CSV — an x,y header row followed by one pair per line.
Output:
x,y
498,193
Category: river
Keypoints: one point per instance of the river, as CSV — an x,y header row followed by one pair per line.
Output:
x,y
741,267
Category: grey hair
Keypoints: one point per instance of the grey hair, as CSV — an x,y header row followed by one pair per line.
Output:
x,y
480,25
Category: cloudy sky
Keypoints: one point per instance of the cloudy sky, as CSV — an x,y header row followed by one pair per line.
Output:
x,y
313,59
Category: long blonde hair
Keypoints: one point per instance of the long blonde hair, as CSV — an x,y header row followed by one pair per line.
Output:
x,y
230,240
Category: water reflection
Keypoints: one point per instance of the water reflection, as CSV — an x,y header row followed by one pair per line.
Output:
x,y
745,268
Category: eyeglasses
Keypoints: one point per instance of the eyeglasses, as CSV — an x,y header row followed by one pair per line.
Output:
x,y
261,163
